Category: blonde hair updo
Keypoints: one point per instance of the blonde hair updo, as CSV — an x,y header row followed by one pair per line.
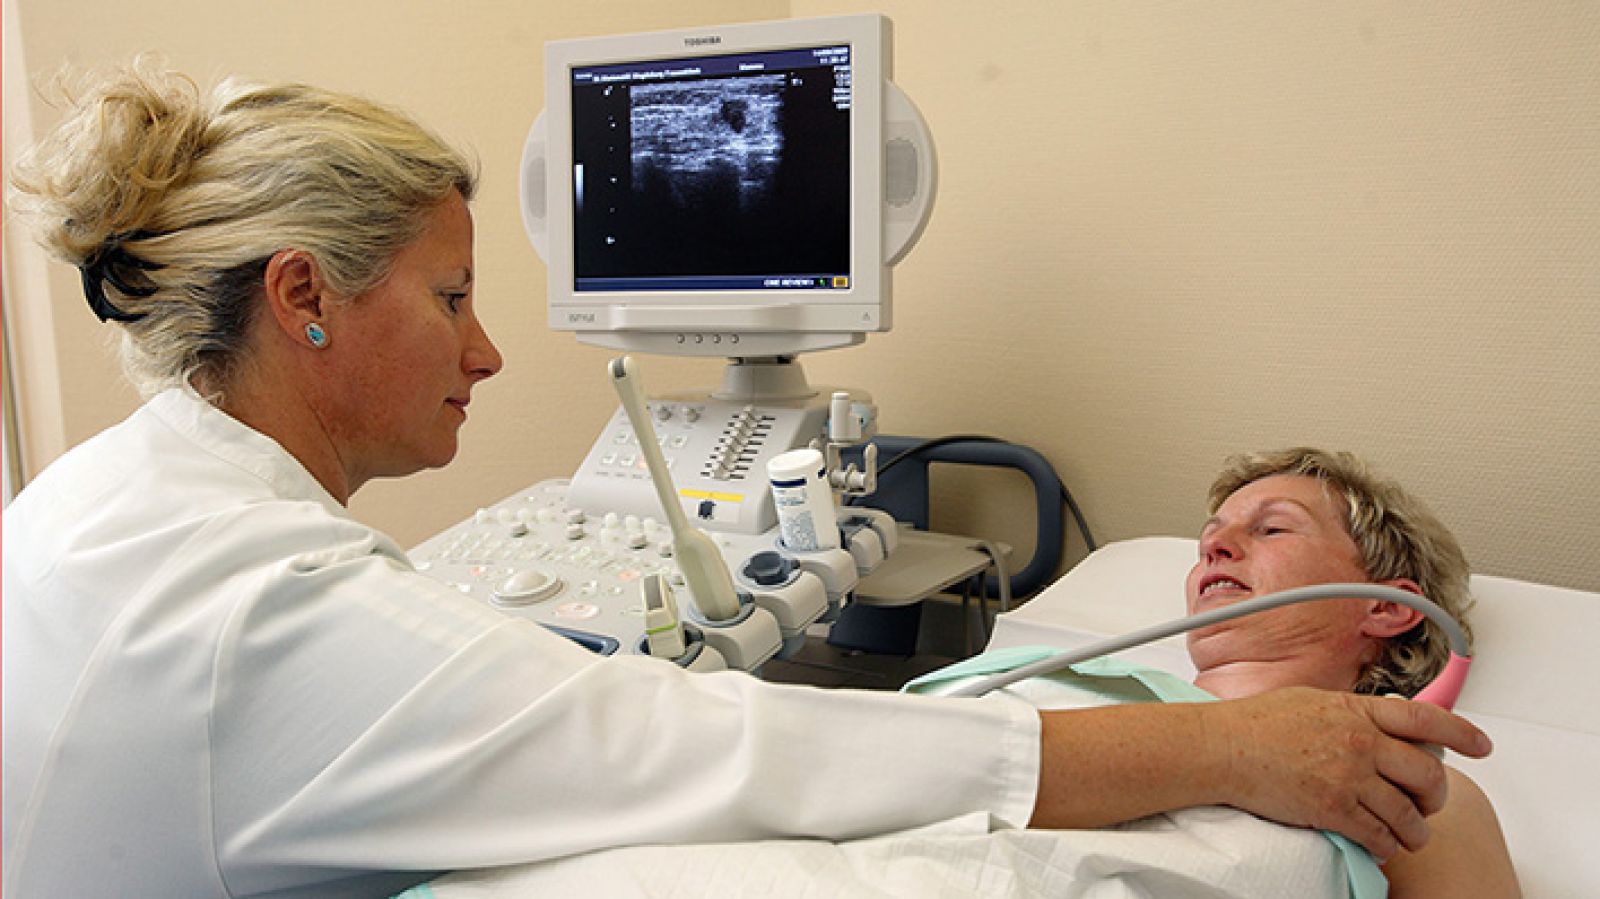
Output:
x,y
172,202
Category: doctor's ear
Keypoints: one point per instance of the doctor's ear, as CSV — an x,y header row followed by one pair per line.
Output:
x,y
296,293
1390,619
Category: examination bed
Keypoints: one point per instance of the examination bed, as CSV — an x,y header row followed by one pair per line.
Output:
x,y
1526,689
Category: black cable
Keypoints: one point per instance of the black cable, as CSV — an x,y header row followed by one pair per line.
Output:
x,y
1077,515
924,446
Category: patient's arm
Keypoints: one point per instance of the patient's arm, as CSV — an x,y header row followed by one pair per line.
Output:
x,y
1298,756
1466,856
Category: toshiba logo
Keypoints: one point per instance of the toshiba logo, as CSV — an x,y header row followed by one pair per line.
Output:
x,y
702,40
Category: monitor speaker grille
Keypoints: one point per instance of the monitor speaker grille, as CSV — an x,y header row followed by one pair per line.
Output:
x,y
533,195
900,172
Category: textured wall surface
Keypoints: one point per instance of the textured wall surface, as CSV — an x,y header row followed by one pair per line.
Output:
x,y
1165,233
1170,232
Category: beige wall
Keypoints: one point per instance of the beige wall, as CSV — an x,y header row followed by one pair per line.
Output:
x,y
1164,233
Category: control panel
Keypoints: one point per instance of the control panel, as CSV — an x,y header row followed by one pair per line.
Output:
x,y
580,570
716,451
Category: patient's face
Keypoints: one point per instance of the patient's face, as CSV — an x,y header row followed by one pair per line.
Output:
x,y
1273,534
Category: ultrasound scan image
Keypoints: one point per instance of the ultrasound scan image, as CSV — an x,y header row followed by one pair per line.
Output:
x,y
736,176
708,143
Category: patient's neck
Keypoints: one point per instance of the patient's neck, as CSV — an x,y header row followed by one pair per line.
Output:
x,y
1238,679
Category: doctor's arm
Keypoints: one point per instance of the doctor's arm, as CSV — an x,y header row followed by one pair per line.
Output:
x,y
1298,756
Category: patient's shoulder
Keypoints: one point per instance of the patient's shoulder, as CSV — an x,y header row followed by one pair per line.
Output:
x,y
1467,799
1466,852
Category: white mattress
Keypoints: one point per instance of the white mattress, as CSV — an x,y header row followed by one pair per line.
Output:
x,y
1531,688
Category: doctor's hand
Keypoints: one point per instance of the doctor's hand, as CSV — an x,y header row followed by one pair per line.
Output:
x,y
1341,762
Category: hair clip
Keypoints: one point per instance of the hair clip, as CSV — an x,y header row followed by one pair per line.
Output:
x,y
112,264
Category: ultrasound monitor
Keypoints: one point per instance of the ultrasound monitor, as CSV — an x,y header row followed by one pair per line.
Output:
x,y
736,191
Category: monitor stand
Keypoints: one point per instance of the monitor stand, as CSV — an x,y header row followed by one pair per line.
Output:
x,y
760,379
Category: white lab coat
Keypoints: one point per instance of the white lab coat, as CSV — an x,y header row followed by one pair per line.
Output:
x,y
216,683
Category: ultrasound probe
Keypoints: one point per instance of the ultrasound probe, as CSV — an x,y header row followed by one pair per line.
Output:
x,y
710,584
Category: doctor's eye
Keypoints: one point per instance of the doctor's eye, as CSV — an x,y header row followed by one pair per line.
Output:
x,y
454,299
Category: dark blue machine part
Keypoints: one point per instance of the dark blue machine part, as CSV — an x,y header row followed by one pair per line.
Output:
x,y
903,492
598,644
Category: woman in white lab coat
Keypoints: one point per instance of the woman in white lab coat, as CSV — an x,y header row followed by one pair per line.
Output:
x,y
217,683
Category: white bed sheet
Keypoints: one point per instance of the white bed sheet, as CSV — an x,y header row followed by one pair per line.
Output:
x,y
1205,853
1532,688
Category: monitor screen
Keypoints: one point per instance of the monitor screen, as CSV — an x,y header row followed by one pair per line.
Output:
x,y
728,172
734,191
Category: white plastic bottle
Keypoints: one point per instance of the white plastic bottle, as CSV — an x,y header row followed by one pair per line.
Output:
x,y
807,520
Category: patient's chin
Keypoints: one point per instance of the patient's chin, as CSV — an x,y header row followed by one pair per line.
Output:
x,y
1211,646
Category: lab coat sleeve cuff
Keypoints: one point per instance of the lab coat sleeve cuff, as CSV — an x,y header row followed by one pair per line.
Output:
x,y
1023,733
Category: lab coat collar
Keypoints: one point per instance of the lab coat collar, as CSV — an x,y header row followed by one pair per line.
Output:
x,y
235,442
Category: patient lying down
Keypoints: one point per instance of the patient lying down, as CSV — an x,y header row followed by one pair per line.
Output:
x,y
1303,516
1278,521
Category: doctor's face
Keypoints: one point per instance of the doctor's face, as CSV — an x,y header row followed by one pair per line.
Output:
x,y
1279,532
413,350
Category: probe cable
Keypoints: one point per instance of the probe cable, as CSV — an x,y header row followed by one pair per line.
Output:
x,y
1442,691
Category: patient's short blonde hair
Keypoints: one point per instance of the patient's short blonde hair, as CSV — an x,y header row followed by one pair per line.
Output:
x,y
1398,537
192,194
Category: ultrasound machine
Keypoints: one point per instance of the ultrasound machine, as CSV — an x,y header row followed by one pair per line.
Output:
x,y
739,192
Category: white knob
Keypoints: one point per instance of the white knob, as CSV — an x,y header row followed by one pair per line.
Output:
x,y
631,522
576,516
637,540
663,412
691,413
574,531
527,586
612,519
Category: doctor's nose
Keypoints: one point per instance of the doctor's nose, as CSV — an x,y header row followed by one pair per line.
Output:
x,y
481,358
